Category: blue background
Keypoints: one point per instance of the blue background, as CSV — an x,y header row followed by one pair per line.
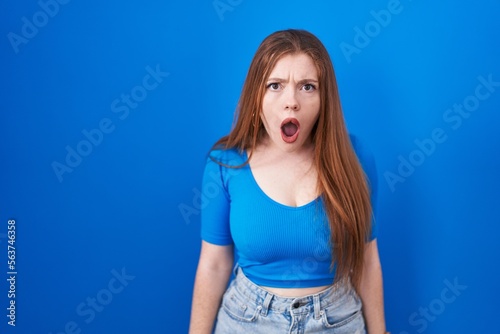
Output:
x,y
121,206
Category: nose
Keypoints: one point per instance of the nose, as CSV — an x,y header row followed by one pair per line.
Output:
x,y
291,102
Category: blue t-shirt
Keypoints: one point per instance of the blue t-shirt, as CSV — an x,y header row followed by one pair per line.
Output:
x,y
276,245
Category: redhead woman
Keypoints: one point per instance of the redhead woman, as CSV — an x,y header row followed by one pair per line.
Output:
x,y
289,207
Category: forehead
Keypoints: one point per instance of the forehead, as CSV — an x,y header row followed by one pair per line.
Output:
x,y
300,66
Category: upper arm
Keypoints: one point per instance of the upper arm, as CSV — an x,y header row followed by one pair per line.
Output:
x,y
215,206
367,161
371,256
216,257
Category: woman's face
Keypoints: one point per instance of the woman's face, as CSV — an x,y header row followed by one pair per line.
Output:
x,y
291,103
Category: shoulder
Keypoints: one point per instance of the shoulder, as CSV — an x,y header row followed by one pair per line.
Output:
x,y
362,150
365,157
231,157
223,165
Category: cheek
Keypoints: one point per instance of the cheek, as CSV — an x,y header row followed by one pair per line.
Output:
x,y
268,103
309,122
268,111
311,113
266,118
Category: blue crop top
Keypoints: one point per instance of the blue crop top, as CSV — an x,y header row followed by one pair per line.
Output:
x,y
275,245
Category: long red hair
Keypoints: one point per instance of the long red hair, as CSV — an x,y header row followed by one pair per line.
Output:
x,y
341,180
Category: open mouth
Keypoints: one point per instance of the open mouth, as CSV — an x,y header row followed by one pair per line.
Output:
x,y
290,129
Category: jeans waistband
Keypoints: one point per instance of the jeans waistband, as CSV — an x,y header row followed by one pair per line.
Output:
x,y
269,301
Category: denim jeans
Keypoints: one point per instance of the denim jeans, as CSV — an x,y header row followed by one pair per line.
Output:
x,y
247,308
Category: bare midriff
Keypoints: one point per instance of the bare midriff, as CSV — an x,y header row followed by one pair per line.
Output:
x,y
295,292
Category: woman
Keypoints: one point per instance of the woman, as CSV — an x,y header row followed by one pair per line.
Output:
x,y
288,191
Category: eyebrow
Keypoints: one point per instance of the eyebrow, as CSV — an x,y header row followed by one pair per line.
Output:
x,y
284,80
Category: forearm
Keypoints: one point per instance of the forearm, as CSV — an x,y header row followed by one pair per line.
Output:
x,y
212,275
371,292
209,287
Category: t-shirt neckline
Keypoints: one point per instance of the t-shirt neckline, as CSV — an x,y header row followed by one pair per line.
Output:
x,y
269,198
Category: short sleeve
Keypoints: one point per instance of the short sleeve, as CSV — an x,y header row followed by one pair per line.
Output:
x,y
215,206
367,161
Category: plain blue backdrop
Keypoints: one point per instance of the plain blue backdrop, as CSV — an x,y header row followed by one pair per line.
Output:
x,y
107,220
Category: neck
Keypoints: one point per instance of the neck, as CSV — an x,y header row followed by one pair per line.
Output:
x,y
267,146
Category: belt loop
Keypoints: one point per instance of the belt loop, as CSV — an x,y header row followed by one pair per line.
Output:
x,y
317,307
235,269
265,304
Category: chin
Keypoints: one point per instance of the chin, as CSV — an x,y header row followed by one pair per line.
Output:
x,y
290,147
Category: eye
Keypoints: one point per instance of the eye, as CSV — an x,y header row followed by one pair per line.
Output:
x,y
309,87
274,86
